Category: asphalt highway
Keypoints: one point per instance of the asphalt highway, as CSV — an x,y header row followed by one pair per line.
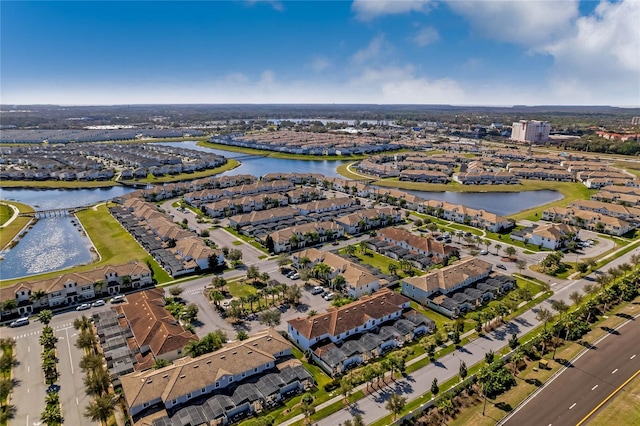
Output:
x,y
579,389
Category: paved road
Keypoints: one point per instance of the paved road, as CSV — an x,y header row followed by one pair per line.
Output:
x,y
373,406
591,379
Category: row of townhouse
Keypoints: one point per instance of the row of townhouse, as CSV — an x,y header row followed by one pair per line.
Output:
x,y
367,219
75,287
630,214
358,280
552,236
416,244
197,198
554,174
588,220
64,174
148,329
457,288
358,332
172,190
232,206
299,236
629,199
598,179
222,372
485,177
295,177
430,176
378,169
599,182
460,214
179,251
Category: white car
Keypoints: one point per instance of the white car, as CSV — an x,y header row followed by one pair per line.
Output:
x,y
98,303
117,299
329,296
83,307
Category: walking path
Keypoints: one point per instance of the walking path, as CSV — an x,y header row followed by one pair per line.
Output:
x,y
13,217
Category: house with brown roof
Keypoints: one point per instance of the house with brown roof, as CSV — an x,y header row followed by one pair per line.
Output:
x,y
427,288
156,333
339,323
190,378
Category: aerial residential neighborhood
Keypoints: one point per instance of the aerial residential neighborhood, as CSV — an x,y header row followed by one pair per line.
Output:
x,y
337,213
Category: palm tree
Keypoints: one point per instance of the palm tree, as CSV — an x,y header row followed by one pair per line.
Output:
x,y
396,404
97,383
393,268
516,358
38,296
86,340
635,260
544,316
82,324
90,362
350,250
304,262
216,296
498,248
576,297
160,363
45,316
363,246
322,271
338,282
101,409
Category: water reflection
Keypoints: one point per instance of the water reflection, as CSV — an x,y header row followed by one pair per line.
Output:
x,y
52,244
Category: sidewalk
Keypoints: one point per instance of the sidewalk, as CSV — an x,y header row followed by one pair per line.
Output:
x,y
449,363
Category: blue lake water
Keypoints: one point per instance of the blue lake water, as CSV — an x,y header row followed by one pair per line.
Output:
x,y
54,243
502,203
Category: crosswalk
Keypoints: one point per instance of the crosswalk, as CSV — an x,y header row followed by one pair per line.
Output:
x,y
37,332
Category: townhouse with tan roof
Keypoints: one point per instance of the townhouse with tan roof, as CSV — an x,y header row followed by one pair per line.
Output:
x,y
263,216
299,236
589,220
75,287
627,199
551,236
460,214
358,280
367,219
430,176
457,288
221,372
630,214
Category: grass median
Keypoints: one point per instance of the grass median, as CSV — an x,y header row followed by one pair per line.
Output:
x,y
10,231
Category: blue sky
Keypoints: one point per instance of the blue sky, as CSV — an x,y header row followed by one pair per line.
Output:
x,y
417,51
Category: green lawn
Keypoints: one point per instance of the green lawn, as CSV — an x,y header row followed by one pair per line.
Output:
x,y
5,213
240,289
16,226
379,261
114,244
282,155
246,239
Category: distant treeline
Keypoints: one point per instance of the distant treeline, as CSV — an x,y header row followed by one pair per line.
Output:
x,y
568,118
599,144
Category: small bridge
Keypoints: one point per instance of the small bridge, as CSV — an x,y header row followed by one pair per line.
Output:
x,y
40,214
248,156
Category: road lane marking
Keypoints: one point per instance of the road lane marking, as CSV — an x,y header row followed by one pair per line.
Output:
x,y
28,348
594,388
69,346
28,369
604,401
614,371
572,405
77,403
633,356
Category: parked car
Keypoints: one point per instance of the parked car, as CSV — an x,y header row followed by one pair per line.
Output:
x,y
117,299
484,252
83,307
19,322
335,243
329,296
501,266
295,276
98,303
317,290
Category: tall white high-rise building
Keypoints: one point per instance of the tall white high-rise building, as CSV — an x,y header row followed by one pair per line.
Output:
x,y
530,131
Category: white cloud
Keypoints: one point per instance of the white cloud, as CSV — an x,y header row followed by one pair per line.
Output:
x,y
426,36
601,57
376,50
319,64
518,21
369,9
276,5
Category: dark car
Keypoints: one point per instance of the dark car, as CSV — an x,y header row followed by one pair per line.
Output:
x,y
501,266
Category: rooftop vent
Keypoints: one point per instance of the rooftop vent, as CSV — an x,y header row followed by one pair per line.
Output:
x,y
183,376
